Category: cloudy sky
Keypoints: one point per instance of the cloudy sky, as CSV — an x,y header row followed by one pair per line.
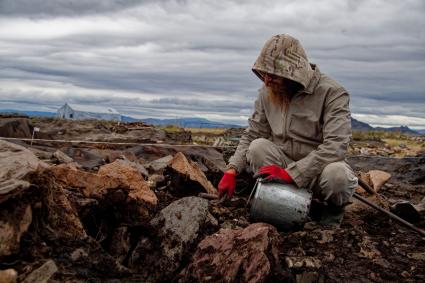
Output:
x,y
193,58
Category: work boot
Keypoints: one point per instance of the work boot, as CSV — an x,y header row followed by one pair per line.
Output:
x,y
332,215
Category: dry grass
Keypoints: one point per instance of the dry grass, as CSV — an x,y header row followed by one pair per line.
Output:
x,y
214,131
378,135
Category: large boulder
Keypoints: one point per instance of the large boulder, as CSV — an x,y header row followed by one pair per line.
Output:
x,y
15,128
239,255
116,184
129,174
188,175
177,226
15,163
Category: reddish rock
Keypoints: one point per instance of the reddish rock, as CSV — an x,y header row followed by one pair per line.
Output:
x,y
241,255
378,178
8,276
374,178
191,170
92,185
129,175
113,176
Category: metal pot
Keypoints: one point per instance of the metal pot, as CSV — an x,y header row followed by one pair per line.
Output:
x,y
283,205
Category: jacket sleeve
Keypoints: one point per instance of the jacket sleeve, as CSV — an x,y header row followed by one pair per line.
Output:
x,y
336,138
258,127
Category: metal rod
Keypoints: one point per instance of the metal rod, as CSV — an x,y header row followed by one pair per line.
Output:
x,y
366,187
252,192
390,214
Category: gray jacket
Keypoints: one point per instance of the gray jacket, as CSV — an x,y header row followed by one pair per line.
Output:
x,y
315,130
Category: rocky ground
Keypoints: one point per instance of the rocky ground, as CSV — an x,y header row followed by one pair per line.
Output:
x,y
84,212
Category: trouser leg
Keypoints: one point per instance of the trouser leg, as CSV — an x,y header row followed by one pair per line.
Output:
x,y
264,152
337,183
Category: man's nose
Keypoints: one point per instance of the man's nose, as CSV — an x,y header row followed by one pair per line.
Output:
x,y
267,79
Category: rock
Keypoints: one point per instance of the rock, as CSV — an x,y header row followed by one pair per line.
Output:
x,y
368,249
128,174
13,224
8,276
178,226
406,210
154,180
61,157
43,273
79,254
420,207
378,178
87,158
159,164
189,170
15,128
209,157
61,218
374,178
15,163
111,156
417,256
303,261
115,183
240,255
133,163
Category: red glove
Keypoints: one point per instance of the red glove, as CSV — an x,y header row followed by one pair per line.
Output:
x,y
274,172
227,184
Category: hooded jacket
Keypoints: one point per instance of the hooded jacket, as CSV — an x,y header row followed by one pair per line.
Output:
x,y
314,130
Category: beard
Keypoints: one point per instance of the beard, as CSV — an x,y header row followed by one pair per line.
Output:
x,y
281,94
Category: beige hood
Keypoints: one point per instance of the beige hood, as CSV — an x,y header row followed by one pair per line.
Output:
x,y
284,56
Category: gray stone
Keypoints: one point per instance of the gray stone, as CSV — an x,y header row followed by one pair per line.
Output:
x,y
178,227
15,163
180,223
159,164
62,157
43,273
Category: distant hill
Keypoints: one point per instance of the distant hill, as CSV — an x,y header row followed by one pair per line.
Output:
x,y
356,125
205,123
401,129
189,123
30,113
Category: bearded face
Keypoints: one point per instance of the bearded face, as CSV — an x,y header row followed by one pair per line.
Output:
x,y
281,90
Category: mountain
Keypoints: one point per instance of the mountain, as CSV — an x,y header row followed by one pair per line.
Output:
x,y
30,113
356,125
401,129
205,123
189,123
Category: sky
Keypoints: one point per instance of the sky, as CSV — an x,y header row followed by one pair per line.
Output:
x,y
168,59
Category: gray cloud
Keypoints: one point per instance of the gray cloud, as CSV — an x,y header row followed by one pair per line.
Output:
x,y
168,58
62,7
